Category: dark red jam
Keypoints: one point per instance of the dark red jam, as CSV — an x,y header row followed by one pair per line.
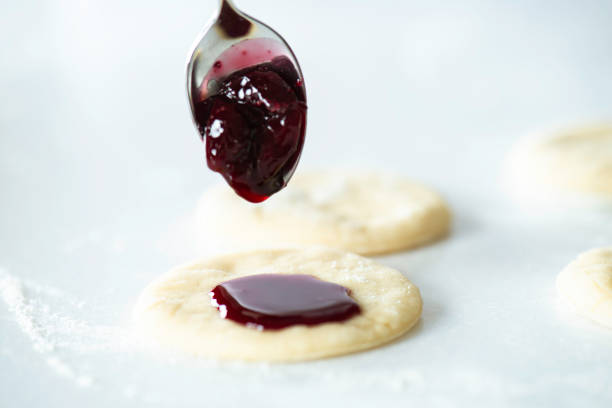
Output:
x,y
274,301
252,121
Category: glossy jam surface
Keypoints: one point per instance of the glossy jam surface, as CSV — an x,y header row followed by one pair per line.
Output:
x,y
274,301
253,122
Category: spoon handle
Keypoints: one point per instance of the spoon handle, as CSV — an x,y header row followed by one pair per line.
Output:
x,y
230,20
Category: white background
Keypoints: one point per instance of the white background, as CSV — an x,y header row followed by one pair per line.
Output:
x,y
99,163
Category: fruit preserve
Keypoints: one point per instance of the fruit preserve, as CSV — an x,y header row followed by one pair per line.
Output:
x,y
276,301
253,123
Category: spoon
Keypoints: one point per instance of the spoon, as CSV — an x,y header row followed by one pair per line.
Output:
x,y
231,41
248,101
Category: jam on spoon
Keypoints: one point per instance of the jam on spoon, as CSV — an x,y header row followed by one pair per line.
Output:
x,y
253,125
275,301
247,98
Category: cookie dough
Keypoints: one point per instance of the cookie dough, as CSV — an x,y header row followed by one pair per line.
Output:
x,y
576,162
176,308
365,213
586,283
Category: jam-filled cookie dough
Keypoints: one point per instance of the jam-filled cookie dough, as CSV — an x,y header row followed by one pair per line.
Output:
x,y
366,213
586,283
179,310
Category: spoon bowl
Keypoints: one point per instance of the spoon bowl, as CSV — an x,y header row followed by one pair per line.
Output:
x,y
248,101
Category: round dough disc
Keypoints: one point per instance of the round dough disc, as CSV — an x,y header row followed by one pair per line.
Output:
x,y
359,212
575,162
586,283
176,309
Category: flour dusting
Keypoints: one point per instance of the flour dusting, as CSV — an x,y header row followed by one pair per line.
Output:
x,y
53,334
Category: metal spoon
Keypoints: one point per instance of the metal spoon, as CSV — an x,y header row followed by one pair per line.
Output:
x,y
231,41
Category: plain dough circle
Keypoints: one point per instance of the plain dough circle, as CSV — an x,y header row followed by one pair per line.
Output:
x,y
574,163
365,213
176,311
586,283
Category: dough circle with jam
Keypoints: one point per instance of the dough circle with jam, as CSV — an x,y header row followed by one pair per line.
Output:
x,y
176,309
365,213
575,162
586,283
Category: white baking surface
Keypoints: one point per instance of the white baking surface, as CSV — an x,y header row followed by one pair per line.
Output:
x,y
100,169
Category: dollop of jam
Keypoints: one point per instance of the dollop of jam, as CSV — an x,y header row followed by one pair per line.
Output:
x,y
275,301
253,123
